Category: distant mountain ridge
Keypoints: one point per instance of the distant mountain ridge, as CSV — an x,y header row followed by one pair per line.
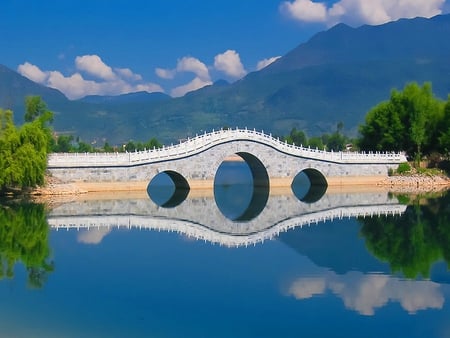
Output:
x,y
406,38
126,98
336,76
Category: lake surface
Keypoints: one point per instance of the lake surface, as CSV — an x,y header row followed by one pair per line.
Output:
x,y
217,264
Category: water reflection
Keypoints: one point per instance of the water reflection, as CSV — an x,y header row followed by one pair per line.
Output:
x,y
201,218
241,188
411,244
317,268
365,293
309,186
24,239
168,189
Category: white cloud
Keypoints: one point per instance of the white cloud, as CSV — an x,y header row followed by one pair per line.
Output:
x,y
93,65
265,62
74,86
126,73
195,84
167,74
32,72
230,63
305,10
365,293
357,12
190,64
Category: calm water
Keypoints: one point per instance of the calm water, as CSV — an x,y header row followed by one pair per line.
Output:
x,y
202,269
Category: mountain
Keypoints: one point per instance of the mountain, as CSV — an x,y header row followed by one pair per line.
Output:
x,y
417,39
15,87
336,76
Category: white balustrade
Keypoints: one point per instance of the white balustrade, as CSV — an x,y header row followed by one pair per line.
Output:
x,y
195,230
200,143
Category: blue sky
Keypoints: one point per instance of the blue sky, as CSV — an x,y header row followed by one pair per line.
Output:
x,y
110,47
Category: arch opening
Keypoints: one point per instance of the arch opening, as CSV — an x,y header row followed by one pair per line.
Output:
x,y
309,185
241,187
168,189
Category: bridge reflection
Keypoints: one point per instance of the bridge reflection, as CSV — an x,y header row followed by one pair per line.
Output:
x,y
201,218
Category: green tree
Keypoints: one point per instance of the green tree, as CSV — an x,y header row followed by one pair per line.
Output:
x,y
24,237
408,121
316,142
424,111
84,147
297,137
107,148
63,144
444,129
130,146
153,143
383,129
35,107
23,151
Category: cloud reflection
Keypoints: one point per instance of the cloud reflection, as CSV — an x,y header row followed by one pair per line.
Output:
x,y
365,293
93,236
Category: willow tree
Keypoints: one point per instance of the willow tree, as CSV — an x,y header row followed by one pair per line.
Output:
x,y
23,151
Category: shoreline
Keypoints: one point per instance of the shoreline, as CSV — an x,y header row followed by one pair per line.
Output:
x,y
397,184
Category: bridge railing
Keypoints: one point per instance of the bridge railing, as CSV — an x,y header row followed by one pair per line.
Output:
x,y
204,141
195,230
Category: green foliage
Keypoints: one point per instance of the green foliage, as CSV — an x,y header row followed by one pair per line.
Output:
x,y
24,237
34,107
413,242
410,121
23,151
139,146
444,130
62,144
335,142
403,168
297,137
67,144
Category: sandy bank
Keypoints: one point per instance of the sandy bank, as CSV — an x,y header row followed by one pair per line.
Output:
x,y
413,183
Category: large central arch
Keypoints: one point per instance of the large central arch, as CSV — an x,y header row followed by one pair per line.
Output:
x,y
260,192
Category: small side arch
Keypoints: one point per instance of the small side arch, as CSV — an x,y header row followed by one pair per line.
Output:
x,y
168,189
309,185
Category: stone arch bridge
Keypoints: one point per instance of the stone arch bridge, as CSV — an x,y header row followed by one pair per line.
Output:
x,y
198,159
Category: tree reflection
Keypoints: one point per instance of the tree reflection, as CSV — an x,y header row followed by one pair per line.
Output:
x,y
24,235
413,242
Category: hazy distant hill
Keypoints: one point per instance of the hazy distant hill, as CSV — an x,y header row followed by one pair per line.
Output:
x,y
138,97
337,76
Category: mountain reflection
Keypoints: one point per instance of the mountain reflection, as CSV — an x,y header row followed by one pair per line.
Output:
x,y
24,233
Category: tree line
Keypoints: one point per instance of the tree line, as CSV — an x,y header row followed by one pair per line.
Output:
x,y
413,120
70,144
